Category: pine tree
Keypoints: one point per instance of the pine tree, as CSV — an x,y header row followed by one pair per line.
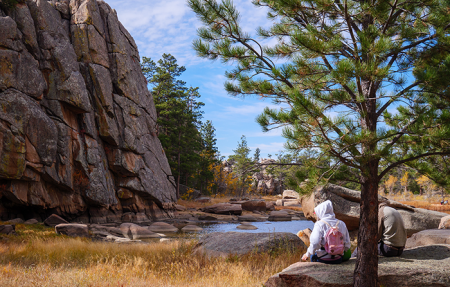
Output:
x,y
243,165
209,155
179,116
354,59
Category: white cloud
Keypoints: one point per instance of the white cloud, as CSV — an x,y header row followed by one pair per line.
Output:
x,y
170,26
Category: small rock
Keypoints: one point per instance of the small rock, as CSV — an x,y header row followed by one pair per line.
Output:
x,y
281,215
162,227
72,229
290,194
254,205
54,220
247,218
191,228
7,229
31,221
270,205
224,208
445,223
247,227
16,221
134,231
207,217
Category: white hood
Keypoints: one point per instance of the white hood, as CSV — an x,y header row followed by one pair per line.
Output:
x,y
325,211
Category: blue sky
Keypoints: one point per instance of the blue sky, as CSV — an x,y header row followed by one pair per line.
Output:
x,y
170,27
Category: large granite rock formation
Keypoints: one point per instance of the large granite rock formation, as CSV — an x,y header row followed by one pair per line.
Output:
x,y
77,123
346,207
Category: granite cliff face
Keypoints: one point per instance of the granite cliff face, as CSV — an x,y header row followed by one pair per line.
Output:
x,y
77,123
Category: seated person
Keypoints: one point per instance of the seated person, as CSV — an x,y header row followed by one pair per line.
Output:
x,y
318,238
391,231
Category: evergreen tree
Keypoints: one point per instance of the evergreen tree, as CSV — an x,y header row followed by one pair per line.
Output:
x,y
243,165
178,114
209,155
352,58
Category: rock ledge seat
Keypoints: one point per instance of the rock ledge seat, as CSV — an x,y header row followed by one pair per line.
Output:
x,y
421,266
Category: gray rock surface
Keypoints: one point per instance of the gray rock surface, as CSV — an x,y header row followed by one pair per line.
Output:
x,y
72,229
162,227
77,122
7,229
134,231
428,237
421,266
290,194
254,205
54,220
223,208
239,243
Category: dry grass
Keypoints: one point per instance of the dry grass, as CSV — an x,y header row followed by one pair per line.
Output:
x,y
419,201
196,204
38,257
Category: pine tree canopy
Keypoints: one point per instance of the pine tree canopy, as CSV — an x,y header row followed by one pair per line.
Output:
x,y
358,60
363,82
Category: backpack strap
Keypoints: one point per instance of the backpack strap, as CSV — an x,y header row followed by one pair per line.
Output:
x,y
326,222
337,223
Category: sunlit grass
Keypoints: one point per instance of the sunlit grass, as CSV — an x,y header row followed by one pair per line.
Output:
x,y
419,201
38,257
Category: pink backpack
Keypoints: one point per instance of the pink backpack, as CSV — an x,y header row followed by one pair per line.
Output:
x,y
334,240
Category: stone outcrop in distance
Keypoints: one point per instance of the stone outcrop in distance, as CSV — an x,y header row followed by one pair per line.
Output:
x,y
77,122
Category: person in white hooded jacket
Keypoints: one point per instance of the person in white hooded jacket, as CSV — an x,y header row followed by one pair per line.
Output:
x,y
325,214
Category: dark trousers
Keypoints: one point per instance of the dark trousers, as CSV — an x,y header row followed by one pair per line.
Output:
x,y
389,251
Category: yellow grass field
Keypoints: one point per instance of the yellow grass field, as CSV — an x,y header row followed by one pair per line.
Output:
x,y
39,257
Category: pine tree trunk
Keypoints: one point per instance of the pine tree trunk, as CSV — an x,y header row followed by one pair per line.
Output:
x,y
366,269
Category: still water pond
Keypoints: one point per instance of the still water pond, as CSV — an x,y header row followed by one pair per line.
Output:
x,y
266,226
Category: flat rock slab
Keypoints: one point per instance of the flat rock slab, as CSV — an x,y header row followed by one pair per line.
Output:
x,y
246,227
191,228
281,215
134,231
421,266
429,237
72,229
249,218
162,227
224,208
239,243
31,221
